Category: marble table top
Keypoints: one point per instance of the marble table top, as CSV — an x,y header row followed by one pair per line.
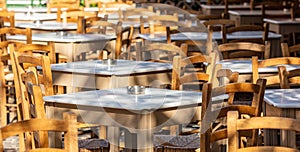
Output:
x,y
47,26
283,98
63,37
118,98
122,67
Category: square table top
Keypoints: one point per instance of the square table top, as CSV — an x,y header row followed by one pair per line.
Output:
x,y
245,66
282,21
203,36
48,26
35,17
256,12
118,98
283,98
63,37
122,67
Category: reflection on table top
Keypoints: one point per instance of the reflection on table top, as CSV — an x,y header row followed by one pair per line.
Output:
x,y
118,98
47,26
282,21
283,98
122,67
63,37
256,12
203,36
245,66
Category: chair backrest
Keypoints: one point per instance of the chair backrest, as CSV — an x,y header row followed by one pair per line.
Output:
x,y
105,27
218,24
288,78
288,51
247,28
8,17
191,72
274,5
69,4
133,14
12,30
72,15
234,2
21,62
67,126
243,50
272,80
84,22
237,125
158,23
161,52
295,12
112,7
212,111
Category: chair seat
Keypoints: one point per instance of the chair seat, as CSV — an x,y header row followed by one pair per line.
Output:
x,y
191,142
94,144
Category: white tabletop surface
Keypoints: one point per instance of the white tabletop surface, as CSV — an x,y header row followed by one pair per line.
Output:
x,y
118,98
223,6
203,36
282,21
35,17
123,67
256,12
283,98
69,38
245,66
47,26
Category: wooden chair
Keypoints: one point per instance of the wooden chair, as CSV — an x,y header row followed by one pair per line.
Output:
x,y
236,125
30,62
243,50
130,14
8,17
257,28
69,4
105,27
216,25
191,72
210,114
160,52
67,126
288,51
72,15
8,100
272,80
233,2
104,7
288,79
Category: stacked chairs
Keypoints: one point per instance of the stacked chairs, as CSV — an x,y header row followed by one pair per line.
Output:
x,y
7,89
27,65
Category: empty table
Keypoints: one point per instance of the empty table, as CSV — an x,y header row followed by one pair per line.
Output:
x,y
202,36
70,45
141,114
96,74
282,103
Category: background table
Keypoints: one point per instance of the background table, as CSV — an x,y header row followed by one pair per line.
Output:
x,y
70,45
94,74
246,17
47,26
217,36
219,9
284,26
244,67
282,103
141,115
